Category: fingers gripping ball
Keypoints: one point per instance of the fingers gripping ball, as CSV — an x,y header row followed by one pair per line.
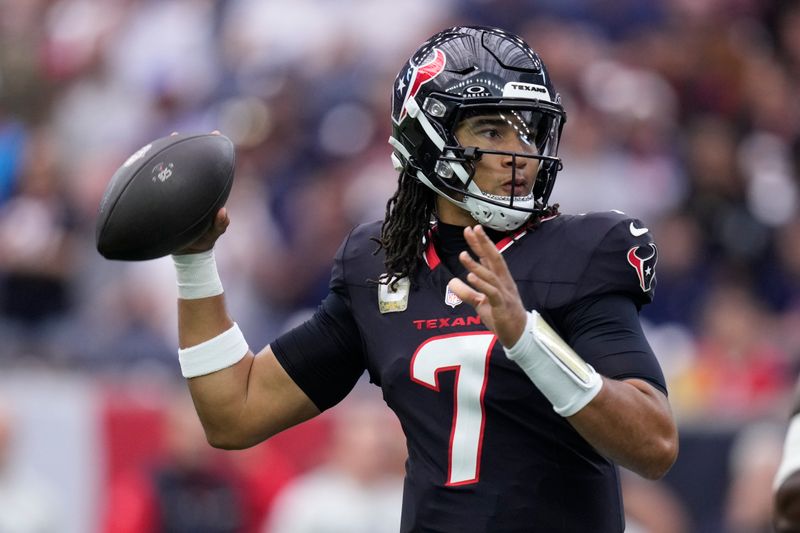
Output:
x,y
164,196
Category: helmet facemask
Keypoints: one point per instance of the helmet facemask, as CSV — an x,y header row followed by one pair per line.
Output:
x,y
501,166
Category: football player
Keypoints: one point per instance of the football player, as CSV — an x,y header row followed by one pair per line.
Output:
x,y
504,335
786,515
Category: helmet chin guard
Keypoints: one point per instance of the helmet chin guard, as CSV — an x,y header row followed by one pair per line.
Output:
x,y
496,217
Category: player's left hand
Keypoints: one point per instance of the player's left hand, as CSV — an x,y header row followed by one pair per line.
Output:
x,y
491,290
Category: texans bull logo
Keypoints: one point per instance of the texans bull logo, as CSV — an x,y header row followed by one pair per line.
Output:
x,y
415,77
643,259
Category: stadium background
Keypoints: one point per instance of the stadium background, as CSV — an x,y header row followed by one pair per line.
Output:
x,y
684,113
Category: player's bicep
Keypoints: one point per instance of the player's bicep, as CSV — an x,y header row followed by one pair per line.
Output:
x,y
245,403
605,330
324,355
278,397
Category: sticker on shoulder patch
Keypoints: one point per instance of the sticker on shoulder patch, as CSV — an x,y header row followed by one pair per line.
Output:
x,y
515,89
393,301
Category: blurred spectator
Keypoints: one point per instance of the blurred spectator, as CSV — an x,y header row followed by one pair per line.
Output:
x,y
652,506
263,471
12,141
717,197
780,283
754,460
129,318
616,18
189,490
300,278
359,488
738,372
684,273
780,279
37,250
27,504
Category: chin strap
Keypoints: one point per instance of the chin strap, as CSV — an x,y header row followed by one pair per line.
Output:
x,y
496,217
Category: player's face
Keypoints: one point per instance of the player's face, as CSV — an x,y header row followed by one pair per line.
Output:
x,y
504,131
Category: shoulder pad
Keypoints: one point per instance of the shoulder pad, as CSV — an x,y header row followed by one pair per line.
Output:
x,y
623,259
355,261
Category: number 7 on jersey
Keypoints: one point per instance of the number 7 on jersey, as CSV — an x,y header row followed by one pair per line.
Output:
x,y
467,354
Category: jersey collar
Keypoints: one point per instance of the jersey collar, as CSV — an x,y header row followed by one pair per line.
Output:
x,y
432,257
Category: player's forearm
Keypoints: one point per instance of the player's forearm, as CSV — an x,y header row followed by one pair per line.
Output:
x,y
631,423
220,399
201,319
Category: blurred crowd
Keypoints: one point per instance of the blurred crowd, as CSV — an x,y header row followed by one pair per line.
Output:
x,y
683,113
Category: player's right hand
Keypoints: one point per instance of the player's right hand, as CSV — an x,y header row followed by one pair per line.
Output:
x,y
206,241
492,290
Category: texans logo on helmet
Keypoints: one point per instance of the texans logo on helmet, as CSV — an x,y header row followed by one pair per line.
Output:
x,y
414,78
645,266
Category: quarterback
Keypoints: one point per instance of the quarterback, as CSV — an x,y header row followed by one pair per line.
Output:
x,y
503,334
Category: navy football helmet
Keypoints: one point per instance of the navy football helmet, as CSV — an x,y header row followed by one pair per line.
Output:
x,y
471,93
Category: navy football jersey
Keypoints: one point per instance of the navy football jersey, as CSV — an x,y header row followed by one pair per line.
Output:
x,y
486,451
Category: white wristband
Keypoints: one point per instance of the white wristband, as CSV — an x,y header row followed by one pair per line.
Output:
x,y
197,275
557,371
224,350
790,463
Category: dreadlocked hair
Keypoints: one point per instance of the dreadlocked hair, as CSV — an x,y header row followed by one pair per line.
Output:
x,y
548,211
407,219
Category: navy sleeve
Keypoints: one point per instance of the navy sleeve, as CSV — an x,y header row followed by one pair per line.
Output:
x,y
605,331
323,355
